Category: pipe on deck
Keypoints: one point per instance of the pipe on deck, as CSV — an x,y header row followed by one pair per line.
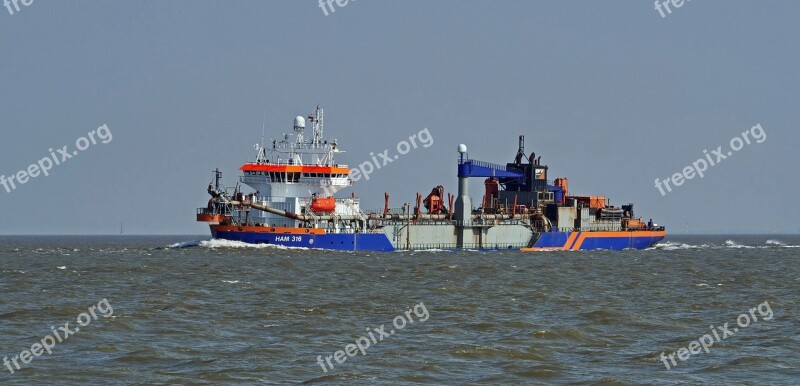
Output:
x,y
373,216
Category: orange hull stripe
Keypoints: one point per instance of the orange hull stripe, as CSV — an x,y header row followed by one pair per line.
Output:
x,y
570,240
210,217
578,244
578,241
293,168
626,234
282,230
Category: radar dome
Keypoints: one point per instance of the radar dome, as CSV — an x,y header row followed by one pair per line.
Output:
x,y
462,148
299,122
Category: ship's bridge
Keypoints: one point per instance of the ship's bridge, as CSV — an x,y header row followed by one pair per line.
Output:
x,y
297,165
291,180
293,173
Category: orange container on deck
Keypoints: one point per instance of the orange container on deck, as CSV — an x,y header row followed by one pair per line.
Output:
x,y
563,184
632,224
597,202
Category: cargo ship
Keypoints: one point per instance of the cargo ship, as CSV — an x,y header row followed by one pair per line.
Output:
x,y
293,203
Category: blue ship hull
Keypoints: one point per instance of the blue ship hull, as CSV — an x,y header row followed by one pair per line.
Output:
x,y
583,241
303,238
333,241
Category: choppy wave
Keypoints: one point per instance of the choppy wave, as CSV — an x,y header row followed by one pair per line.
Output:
x,y
733,244
263,303
780,244
673,246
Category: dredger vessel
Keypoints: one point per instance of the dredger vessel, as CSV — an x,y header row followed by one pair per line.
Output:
x,y
293,203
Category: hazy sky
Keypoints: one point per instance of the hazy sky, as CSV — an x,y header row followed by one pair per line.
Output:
x,y
611,94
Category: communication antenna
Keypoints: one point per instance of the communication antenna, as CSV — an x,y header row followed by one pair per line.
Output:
x,y
263,128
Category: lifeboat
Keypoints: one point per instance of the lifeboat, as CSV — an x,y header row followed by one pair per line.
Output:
x,y
324,205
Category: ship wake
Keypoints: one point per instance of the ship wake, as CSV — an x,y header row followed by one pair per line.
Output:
x,y
228,244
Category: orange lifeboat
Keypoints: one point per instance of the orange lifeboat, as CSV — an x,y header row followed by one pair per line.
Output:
x,y
326,205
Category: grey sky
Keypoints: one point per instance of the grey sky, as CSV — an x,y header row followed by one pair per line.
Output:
x,y
611,95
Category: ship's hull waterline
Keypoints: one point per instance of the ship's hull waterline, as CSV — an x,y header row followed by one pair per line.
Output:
x,y
549,241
